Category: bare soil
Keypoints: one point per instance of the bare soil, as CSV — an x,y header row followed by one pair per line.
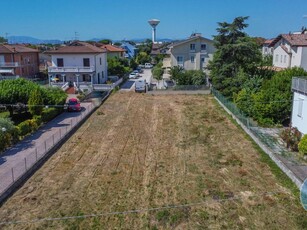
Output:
x,y
142,151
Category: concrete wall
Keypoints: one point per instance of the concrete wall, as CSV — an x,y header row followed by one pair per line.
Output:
x,y
299,120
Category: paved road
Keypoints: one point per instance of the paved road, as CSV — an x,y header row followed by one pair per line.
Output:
x,y
15,155
130,84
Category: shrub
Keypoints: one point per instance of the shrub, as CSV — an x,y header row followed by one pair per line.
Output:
x,y
292,137
24,128
38,119
302,146
9,135
49,113
35,102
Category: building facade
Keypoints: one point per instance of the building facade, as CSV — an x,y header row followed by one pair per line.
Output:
x,y
112,51
299,105
192,54
78,63
290,50
18,60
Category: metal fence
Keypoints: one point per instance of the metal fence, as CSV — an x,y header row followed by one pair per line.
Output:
x,y
289,163
11,175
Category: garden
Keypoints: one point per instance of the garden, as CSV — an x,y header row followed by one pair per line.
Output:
x,y
24,107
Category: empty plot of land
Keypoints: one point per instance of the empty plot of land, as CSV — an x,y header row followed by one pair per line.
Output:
x,y
140,152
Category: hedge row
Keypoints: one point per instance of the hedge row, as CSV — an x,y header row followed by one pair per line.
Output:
x,y
11,134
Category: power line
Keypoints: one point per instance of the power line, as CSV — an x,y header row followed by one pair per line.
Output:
x,y
134,211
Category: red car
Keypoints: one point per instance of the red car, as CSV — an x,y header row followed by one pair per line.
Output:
x,y
73,105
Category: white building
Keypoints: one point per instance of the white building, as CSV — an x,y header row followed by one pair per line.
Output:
x,y
290,50
78,63
266,49
299,107
193,53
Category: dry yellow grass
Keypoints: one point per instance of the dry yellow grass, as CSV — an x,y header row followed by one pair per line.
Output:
x,y
140,151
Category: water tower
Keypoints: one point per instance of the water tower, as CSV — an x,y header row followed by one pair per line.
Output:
x,y
154,23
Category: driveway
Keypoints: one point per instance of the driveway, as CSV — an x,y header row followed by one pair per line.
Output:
x,y
130,84
44,137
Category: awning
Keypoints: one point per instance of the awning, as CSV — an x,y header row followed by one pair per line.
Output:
x,y
6,71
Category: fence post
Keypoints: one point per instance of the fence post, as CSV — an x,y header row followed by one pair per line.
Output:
x,y
13,175
45,147
36,153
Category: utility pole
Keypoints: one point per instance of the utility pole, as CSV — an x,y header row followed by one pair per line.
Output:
x,y
76,35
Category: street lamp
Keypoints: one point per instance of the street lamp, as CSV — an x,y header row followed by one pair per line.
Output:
x,y
3,129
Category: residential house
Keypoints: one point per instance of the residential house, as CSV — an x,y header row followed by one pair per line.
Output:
x,y
266,49
18,61
78,63
193,53
112,51
290,50
131,50
299,106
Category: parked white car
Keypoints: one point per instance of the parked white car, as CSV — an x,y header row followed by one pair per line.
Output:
x,y
133,75
140,86
148,66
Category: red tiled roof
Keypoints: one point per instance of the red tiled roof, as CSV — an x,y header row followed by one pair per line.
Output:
x,y
16,48
76,48
268,42
111,48
293,39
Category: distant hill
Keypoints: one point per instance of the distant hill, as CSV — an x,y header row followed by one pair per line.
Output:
x,y
31,40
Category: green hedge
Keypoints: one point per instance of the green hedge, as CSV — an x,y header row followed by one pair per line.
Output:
x,y
302,146
49,113
10,134
27,127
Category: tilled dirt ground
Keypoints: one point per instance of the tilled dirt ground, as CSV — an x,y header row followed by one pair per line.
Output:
x,y
139,152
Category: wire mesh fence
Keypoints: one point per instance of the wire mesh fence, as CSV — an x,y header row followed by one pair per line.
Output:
x,y
11,175
268,138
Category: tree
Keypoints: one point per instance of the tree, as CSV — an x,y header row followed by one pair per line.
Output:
x,y
3,40
157,73
133,64
35,102
236,52
142,58
105,41
117,66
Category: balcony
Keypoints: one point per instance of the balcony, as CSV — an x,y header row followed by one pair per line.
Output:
x,y
73,69
299,85
9,64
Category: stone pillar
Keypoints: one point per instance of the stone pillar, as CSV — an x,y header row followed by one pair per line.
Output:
x,y
49,78
63,76
92,78
77,76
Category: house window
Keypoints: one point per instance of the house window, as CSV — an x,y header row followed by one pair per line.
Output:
x,y
192,47
203,46
202,60
22,70
300,107
60,62
100,61
285,59
280,58
21,58
179,60
86,77
276,58
266,49
86,62
192,59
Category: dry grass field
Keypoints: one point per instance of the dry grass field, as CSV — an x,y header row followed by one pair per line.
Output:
x,y
141,152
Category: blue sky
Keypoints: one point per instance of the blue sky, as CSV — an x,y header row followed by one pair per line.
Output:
x,y
119,19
